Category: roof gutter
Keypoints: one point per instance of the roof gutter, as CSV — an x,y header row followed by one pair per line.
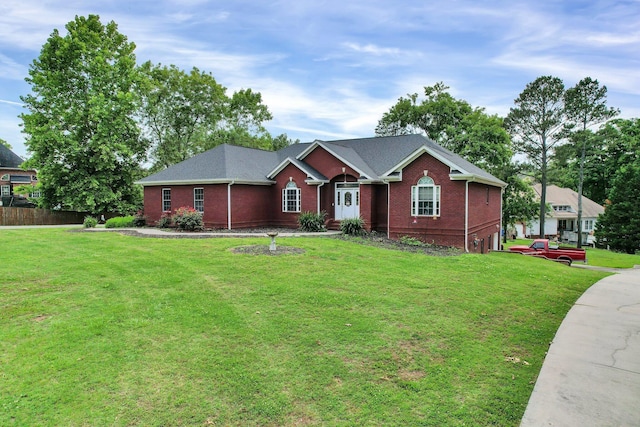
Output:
x,y
229,204
203,182
476,178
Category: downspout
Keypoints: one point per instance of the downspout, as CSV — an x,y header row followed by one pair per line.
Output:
x,y
501,229
229,204
388,207
466,217
318,190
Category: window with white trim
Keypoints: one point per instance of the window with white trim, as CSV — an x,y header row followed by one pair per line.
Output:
x,y
166,200
588,225
291,198
198,199
6,190
425,198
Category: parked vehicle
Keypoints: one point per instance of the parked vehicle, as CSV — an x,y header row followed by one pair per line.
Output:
x,y
544,249
16,202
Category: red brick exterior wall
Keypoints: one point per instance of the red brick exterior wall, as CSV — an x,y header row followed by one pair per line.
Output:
x,y
448,228
251,205
10,171
308,197
484,217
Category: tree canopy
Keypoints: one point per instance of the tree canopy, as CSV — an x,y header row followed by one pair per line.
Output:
x,y
619,226
536,124
585,106
5,143
80,126
452,123
185,114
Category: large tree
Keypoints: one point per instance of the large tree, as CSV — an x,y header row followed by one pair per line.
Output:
x,y
536,124
585,106
80,126
452,123
619,225
185,114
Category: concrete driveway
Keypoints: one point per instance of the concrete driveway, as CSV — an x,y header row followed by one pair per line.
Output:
x,y
591,375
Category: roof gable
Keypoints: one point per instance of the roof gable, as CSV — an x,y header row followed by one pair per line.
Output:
x,y
559,196
312,174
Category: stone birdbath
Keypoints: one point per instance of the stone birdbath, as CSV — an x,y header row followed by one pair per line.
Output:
x,y
272,245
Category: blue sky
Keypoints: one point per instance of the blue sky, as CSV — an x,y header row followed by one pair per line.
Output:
x,y
330,69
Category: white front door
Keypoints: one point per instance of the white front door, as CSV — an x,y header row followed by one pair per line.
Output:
x,y
347,201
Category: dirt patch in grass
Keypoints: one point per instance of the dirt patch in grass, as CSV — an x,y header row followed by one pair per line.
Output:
x,y
409,245
264,250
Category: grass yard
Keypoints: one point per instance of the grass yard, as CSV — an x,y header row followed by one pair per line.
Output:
x,y
105,329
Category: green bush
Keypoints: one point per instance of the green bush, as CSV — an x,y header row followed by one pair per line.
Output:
x,y
164,221
188,219
120,222
89,222
352,226
411,241
311,222
139,220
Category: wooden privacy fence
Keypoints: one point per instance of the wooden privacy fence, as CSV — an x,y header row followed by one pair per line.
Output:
x,y
29,216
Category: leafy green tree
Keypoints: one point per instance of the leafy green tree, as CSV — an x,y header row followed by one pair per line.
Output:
x,y
80,126
178,109
5,143
536,124
281,141
185,114
619,225
621,146
518,198
452,123
585,106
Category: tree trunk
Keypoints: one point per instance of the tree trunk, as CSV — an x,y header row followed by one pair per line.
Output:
x,y
543,190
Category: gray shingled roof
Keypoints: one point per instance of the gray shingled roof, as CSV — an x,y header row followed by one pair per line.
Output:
x,y
558,196
224,163
9,159
372,157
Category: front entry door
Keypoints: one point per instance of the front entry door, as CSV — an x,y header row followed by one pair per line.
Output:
x,y
347,201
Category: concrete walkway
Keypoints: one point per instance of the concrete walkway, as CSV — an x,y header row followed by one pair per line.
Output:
x,y
591,375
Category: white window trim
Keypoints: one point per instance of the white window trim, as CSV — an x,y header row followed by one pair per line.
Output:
x,y
436,199
291,187
166,200
5,190
198,200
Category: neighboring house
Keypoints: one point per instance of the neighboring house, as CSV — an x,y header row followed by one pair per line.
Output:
x,y
402,186
11,175
562,220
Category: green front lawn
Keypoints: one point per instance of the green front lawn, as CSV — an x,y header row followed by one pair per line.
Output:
x,y
98,328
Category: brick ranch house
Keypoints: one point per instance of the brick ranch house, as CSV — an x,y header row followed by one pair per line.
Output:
x,y
402,186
